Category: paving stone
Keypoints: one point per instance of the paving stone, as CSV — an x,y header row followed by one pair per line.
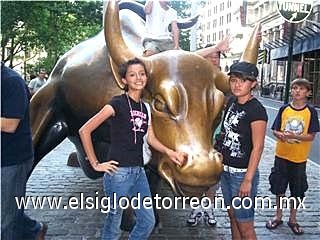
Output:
x,y
52,177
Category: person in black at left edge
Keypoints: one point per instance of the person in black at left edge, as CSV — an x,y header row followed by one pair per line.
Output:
x,y
16,158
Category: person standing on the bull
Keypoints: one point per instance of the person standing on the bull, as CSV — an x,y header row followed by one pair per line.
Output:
x,y
124,172
243,130
159,15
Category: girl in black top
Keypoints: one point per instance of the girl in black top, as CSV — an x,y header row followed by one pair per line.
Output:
x,y
243,129
124,173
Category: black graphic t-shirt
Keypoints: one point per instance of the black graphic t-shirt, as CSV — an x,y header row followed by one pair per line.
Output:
x,y
127,131
237,142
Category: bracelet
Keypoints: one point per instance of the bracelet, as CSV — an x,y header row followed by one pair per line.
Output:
x,y
95,163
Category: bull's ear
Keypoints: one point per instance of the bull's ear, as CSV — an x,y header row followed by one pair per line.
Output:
x,y
222,82
115,71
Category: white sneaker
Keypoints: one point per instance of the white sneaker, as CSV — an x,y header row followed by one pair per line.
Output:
x,y
209,217
194,217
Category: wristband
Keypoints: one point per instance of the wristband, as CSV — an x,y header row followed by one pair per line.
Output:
x,y
95,163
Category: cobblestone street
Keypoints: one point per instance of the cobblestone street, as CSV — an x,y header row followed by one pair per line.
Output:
x,y
52,177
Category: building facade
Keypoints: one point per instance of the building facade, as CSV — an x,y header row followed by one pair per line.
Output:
x,y
221,17
226,17
306,46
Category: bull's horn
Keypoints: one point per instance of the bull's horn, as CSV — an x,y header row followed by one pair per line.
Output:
x,y
118,49
250,54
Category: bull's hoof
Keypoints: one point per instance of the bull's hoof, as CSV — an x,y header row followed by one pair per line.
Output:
x,y
73,160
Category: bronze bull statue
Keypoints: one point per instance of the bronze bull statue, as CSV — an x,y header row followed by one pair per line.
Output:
x,y
184,90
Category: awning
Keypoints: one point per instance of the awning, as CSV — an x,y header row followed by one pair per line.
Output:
x,y
306,39
305,45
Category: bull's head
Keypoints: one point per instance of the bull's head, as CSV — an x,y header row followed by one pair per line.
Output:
x,y
185,101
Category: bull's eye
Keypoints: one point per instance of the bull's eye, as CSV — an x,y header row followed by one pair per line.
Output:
x,y
160,105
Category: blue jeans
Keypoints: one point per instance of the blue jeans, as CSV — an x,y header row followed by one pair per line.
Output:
x,y
15,224
128,182
230,186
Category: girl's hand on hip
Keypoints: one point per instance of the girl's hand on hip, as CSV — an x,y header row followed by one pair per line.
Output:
x,y
109,167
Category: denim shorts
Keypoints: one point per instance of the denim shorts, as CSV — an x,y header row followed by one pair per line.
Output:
x,y
230,185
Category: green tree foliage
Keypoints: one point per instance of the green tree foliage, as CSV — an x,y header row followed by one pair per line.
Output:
x,y
50,26
54,27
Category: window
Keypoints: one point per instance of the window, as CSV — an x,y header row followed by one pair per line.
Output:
x,y
266,7
221,7
208,25
203,27
215,9
228,17
229,4
214,23
221,21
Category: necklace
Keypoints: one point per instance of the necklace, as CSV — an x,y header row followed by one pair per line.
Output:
x,y
132,117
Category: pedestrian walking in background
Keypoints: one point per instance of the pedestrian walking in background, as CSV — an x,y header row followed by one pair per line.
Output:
x,y
36,83
243,132
295,128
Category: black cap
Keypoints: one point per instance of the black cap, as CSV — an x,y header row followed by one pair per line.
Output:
x,y
245,69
